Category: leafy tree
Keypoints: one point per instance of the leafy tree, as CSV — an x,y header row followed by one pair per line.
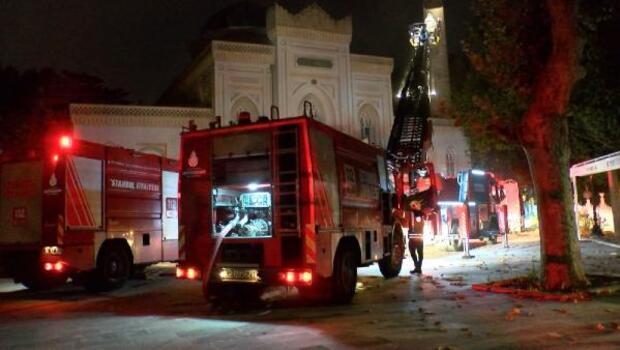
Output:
x,y
36,101
524,58
594,107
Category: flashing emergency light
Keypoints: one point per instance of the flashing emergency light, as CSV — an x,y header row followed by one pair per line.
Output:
x,y
253,186
180,272
450,203
55,158
296,277
455,203
306,277
478,172
65,141
57,266
290,277
191,273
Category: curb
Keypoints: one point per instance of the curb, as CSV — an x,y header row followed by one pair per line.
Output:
x,y
498,288
613,245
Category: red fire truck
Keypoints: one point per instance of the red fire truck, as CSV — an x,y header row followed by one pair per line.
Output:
x,y
471,207
87,211
289,202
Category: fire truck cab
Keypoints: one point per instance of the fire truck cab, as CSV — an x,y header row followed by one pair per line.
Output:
x,y
86,211
288,202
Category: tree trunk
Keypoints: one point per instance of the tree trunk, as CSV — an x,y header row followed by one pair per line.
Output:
x,y
544,136
560,256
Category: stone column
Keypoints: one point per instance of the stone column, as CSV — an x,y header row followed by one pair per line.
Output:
x,y
614,196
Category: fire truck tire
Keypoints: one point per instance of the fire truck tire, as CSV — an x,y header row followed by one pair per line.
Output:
x,y
344,278
391,265
113,269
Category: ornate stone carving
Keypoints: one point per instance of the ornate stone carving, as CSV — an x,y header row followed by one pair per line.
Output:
x,y
312,23
129,115
312,17
227,51
310,34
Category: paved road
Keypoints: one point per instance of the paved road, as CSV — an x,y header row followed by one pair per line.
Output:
x,y
436,310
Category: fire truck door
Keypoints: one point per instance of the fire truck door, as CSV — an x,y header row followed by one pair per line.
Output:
x,y
170,217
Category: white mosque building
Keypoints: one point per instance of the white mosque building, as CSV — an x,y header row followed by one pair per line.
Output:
x,y
274,57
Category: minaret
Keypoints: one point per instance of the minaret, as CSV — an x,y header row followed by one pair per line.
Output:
x,y
439,83
449,151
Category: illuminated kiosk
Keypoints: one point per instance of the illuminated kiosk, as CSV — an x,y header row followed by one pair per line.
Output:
x,y
607,213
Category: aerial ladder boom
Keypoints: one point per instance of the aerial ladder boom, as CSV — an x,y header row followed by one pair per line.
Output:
x,y
413,109
414,179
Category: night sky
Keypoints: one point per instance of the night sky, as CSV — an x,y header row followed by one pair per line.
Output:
x,y
141,46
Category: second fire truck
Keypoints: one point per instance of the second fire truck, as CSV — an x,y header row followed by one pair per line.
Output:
x,y
87,211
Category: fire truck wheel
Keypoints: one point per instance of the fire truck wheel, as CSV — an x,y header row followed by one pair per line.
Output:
x,y
113,269
391,265
344,278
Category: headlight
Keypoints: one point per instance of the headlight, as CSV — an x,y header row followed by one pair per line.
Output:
x,y
52,250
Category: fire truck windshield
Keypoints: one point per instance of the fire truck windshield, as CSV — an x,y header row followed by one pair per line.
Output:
x,y
242,186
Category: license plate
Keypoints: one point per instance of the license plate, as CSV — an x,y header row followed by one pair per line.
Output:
x,y
238,275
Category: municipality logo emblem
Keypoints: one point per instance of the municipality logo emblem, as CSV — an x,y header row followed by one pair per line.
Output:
x,y
192,161
53,181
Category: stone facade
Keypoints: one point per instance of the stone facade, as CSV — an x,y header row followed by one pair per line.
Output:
x,y
308,60
306,57
150,129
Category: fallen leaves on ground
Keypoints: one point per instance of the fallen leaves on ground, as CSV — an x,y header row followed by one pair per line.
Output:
x,y
513,313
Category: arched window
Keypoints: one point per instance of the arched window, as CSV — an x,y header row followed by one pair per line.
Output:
x,y
369,124
450,162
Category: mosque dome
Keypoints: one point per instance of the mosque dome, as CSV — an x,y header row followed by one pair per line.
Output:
x,y
243,21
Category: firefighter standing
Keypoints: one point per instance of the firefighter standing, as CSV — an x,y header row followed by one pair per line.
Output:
x,y
418,203
416,240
